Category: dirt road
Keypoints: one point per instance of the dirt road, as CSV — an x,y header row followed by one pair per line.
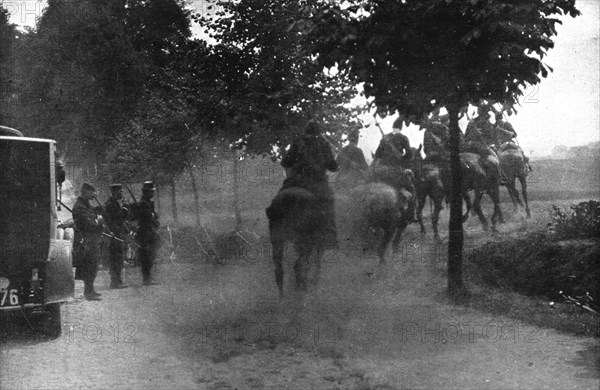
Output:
x,y
223,327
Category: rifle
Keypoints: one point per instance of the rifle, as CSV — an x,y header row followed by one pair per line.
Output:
x,y
378,126
131,194
108,233
65,206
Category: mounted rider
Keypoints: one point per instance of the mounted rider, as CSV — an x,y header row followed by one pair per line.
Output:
x,y
351,160
506,136
480,138
436,138
392,155
307,162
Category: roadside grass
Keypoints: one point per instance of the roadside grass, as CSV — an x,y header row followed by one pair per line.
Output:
x,y
519,275
564,317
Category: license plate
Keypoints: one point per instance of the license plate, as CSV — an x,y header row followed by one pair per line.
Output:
x,y
8,296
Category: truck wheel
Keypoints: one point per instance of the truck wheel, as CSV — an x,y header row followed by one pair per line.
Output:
x,y
51,326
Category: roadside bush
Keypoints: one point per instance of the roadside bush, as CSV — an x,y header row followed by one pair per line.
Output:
x,y
582,222
537,265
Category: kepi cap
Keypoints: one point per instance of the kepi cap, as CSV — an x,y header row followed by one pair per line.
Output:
x,y
148,186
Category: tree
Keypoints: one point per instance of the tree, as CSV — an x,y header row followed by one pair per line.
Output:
x,y
264,91
415,55
87,69
80,76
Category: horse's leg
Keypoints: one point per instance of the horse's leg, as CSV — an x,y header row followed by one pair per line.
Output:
x,y
468,204
303,249
278,244
512,192
399,228
496,200
437,208
388,231
477,208
437,195
421,200
523,181
494,193
319,250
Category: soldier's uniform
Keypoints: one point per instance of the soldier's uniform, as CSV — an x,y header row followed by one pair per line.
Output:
x,y
435,141
505,134
392,153
115,217
88,235
479,138
147,235
351,161
307,162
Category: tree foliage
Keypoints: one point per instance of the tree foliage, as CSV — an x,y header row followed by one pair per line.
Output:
x,y
267,90
410,53
91,69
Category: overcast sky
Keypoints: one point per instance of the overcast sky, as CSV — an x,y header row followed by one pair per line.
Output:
x,y
562,110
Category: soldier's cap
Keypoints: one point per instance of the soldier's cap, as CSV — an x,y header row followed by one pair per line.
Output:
x,y
116,186
87,187
399,123
354,135
148,186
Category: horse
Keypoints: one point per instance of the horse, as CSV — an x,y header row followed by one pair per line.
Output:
x,y
379,207
295,216
513,165
477,177
428,182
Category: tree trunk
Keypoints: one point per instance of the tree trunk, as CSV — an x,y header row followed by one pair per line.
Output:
x,y
174,200
455,242
196,196
236,191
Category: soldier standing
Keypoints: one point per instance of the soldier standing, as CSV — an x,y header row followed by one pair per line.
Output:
x,y
307,161
393,153
115,216
88,234
147,234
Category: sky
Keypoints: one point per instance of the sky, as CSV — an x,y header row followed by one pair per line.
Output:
x,y
562,110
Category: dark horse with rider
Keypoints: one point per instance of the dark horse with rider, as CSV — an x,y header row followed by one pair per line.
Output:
x,y
303,210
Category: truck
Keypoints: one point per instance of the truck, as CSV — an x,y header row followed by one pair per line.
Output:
x,y
36,272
